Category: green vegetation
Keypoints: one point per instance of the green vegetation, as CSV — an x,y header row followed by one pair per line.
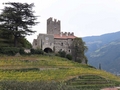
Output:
x,y
9,50
43,71
94,82
104,50
33,69
64,55
77,54
16,20
15,85
78,50
37,51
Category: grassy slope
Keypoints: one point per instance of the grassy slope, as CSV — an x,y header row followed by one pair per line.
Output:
x,y
50,68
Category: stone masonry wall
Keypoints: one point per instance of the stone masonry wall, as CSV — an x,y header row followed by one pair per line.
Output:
x,y
45,41
53,27
49,41
63,44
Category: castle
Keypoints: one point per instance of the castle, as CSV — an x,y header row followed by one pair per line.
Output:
x,y
54,40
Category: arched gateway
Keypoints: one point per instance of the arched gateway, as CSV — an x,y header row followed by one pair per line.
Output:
x,y
47,50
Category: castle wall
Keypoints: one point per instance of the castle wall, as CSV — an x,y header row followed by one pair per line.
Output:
x,y
53,27
34,44
45,41
63,44
54,39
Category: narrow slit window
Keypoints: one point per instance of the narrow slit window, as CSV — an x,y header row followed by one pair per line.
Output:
x,y
61,44
69,50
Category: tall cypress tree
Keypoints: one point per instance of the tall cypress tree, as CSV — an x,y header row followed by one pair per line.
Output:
x,y
18,19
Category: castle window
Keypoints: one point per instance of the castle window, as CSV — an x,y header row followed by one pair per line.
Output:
x,y
35,43
60,50
69,50
46,38
61,44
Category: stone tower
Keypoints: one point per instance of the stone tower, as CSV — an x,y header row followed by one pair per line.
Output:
x,y
53,26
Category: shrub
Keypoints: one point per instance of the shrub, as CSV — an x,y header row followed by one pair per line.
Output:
x,y
78,60
57,54
39,51
36,51
9,50
62,53
32,51
21,51
68,56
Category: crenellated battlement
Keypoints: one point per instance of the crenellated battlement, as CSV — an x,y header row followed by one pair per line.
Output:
x,y
54,40
53,20
70,33
53,26
67,33
49,19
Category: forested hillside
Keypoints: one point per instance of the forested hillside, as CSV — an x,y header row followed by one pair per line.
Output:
x,y
104,50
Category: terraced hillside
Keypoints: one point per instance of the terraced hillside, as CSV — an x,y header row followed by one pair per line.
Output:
x,y
52,68
93,82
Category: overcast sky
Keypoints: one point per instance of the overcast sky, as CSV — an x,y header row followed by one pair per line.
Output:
x,y
83,17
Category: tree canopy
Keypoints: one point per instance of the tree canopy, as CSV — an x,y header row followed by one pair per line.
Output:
x,y
78,50
16,20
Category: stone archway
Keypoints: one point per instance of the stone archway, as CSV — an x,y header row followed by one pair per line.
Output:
x,y
48,50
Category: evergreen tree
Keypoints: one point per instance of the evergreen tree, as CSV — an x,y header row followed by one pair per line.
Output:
x,y
78,50
17,19
6,39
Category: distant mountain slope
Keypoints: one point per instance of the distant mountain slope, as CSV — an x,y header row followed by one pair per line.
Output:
x,y
104,50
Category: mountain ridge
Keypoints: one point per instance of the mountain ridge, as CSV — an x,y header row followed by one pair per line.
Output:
x,y
104,50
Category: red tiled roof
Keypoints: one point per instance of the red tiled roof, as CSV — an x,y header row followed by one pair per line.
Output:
x,y
64,36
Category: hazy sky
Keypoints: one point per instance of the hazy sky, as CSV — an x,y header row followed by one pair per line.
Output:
x,y
83,17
